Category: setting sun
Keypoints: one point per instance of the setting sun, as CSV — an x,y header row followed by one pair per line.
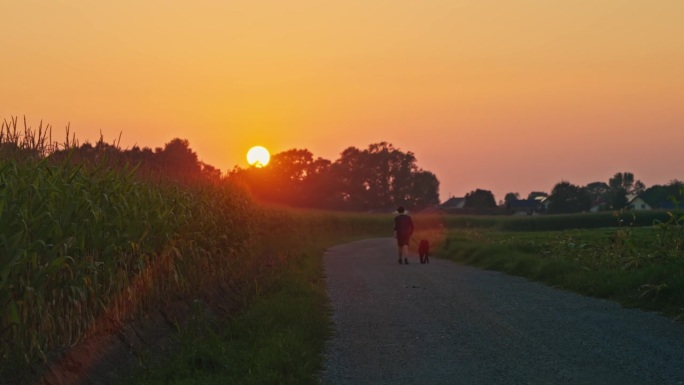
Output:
x,y
258,156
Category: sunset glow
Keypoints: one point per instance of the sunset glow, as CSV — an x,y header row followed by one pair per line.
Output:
x,y
499,95
258,156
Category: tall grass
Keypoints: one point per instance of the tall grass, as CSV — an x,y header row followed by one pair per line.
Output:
x,y
636,266
81,250
86,247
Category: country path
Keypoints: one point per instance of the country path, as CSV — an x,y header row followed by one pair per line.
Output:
x,y
444,323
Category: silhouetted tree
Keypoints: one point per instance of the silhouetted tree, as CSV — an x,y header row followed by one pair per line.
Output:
x,y
210,172
658,195
425,190
293,177
178,159
480,199
617,198
380,177
621,185
352,180
599,193
511,196
568,198
626,181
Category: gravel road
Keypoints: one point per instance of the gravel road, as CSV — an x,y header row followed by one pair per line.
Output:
x,y
444,323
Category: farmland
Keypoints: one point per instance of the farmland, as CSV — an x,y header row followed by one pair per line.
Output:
x,y
636,259
619,256
87,246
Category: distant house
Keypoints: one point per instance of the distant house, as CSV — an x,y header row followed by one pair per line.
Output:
x,y
634,202
545,202
525,206
453,203
450,206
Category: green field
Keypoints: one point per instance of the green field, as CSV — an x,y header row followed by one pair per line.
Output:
x,y
639,266
86,247
638,261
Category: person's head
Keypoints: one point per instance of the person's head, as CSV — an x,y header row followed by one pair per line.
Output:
x,y
400,209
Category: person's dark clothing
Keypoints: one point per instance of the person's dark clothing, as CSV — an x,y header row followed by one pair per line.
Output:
x,y
403,225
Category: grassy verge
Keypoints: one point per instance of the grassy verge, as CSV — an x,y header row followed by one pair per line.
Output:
x,y
278,339
637,267
280,335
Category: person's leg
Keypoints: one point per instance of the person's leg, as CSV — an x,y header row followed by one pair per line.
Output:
x,y
400,249
401,242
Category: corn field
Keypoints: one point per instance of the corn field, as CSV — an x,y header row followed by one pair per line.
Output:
x,y
87,247
82,248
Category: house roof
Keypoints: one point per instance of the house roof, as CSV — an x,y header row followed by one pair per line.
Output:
x,y
454,202
632,197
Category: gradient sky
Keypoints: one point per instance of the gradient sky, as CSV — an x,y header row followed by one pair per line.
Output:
x,y
502,95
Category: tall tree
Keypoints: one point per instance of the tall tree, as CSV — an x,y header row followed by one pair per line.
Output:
x,y
480,199
511,196
658,195
380,177
621,185
177,158
618,198
424,190
292,177
383,177
568,198
599,193
352,180
626,181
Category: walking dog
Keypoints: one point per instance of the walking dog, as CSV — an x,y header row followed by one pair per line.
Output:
x,y
424,251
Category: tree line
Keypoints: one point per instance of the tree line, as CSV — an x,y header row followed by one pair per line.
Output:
x,y
377,178
566,197
614,195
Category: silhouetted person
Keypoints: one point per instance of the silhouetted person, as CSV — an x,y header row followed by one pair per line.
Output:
x,y
403,229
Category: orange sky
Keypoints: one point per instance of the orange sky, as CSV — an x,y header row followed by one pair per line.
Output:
x,y
508,96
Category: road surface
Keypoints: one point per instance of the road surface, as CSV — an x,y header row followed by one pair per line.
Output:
x,y
445,323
